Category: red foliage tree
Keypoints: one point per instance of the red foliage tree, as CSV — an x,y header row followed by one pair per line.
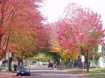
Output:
x,y
16,14
80,28
18,17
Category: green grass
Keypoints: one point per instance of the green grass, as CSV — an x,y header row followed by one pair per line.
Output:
x,y
2,68
93,72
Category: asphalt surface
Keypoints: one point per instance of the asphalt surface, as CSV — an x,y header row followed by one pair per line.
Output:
x,y
45,72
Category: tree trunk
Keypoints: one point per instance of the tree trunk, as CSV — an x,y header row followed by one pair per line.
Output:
x,y
87,64
22,61
0,40
9,64
4,53
22,58
1,48
18,59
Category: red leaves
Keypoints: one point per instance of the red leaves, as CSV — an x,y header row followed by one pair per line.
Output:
x,y
25,23
3,1
1,30
80,27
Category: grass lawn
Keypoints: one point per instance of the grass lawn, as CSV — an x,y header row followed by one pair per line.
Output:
x,y
2,68
93,72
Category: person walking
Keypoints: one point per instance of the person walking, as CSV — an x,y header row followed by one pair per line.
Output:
x,y
55,65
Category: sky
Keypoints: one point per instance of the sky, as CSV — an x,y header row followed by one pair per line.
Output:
x,y
53,9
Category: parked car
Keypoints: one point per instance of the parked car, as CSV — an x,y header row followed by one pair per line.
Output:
x,y
50,65
23,70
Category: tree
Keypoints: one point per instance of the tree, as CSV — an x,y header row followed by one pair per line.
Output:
x,y
9,11
80,28
19,20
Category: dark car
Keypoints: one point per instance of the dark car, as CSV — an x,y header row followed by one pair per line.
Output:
x,y
23,70
50,65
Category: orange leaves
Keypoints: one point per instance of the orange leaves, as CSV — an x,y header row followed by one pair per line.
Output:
x,y
69,54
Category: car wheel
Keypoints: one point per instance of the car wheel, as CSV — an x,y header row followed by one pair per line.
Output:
x,y
28,74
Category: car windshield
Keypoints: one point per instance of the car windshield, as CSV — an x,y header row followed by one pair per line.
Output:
x,y
24,67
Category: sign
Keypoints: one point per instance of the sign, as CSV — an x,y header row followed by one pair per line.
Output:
x,y
60,60
82,58
8,55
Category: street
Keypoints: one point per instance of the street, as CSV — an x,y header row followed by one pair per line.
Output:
x,y
45,72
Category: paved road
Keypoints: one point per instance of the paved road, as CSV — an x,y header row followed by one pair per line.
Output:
x,y
45,72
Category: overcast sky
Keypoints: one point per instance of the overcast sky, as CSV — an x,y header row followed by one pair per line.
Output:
x,y
54,8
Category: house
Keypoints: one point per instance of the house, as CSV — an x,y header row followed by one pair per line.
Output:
x,y
101,60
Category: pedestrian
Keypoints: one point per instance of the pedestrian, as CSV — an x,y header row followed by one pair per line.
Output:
x,y
55,65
